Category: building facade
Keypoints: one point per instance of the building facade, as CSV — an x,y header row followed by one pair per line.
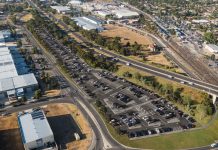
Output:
x,y
35,131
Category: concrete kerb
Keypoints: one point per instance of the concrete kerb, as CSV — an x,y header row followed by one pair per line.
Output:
x,y
113,137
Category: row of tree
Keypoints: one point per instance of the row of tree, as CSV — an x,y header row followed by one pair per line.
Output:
x,y
87,54
175,95
110,43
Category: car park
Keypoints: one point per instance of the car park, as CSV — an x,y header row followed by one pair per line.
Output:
x,y
137,111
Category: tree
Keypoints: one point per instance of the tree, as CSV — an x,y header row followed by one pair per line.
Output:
x,y
137,75
213,57
103,109
35,50
37,94
202,110
13,19
23,99
19,43
127,74
177,94
210,38
187,100
98,103
136,48
128,44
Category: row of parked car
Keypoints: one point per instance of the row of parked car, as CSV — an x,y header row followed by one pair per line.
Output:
x,y
149,132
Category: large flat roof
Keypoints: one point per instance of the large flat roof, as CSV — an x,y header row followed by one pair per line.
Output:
x,y
21,81
7,66
10,61
33,126
86,23
125,12
61,8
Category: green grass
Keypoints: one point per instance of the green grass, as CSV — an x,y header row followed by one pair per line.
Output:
x,y
182,140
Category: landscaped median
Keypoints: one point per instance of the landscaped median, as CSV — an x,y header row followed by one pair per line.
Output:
x,y
181,140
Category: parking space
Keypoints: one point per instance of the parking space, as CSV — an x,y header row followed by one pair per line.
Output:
x,y
134,110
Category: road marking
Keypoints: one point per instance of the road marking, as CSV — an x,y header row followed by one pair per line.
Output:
x,y
107,145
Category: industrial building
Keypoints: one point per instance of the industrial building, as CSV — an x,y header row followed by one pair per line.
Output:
x,y
61,9
5,35
74,3
212,48
35,131
201,21
124,13
103,13
15,79
89,23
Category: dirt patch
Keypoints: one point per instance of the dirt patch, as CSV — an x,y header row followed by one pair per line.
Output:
x,y
65,123
10,138
27,17
52,93
126,35
159,59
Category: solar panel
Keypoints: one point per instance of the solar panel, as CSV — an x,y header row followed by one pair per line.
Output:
x,y
37,115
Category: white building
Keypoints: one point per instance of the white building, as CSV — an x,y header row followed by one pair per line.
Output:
x,y
103,13
124,13
35,131
61,9
74,3
200,21
4,36
212,48
89,23
15,79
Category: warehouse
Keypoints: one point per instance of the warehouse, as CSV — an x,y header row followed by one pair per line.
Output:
x,y
5,36
212,48
94,20
15,79
74,3
10,87
89,23
103,13
124,13
35,131
61,9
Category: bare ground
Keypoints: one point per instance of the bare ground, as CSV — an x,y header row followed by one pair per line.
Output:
x,y
10,138
126,35
65,123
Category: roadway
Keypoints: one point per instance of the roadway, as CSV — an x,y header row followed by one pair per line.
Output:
x,y
207,87
104,138
192,82
200,69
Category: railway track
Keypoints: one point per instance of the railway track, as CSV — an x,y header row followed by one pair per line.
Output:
x,y
203,72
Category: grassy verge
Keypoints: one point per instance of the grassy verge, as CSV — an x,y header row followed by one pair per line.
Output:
x,y
182,140
196,95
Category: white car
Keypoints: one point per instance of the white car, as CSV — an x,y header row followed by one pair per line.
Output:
x,y
182,82
191,83
214,145
128,64
145,118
